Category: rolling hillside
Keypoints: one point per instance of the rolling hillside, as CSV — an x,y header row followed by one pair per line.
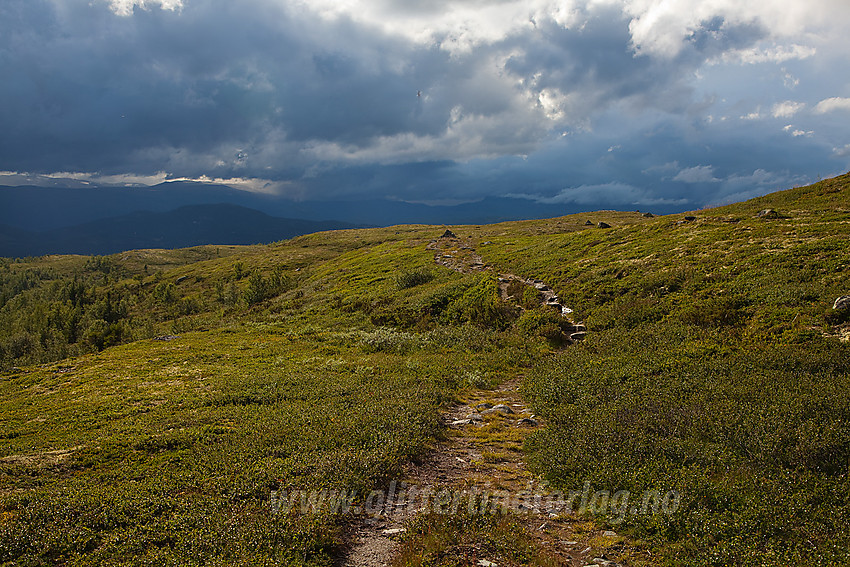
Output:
x,y
152,401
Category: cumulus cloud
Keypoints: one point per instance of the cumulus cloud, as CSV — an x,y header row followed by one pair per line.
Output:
x,y
126,7
448,98
621,194
771,54
787,109
832,104
698,174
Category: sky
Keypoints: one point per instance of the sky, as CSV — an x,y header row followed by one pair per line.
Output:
x,y
624,103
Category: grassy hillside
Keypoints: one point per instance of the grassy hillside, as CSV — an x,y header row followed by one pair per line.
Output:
x,y
712,366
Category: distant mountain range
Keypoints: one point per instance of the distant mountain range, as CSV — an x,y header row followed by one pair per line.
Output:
x,y
191,225
100,220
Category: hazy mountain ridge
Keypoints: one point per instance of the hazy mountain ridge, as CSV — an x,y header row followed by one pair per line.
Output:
x,y
189,225
47,208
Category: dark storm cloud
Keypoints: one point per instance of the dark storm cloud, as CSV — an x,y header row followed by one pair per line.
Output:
x,y
419,101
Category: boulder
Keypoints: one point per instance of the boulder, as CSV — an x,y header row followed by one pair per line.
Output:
x,y
528,421
603,224
448,234
483,406
503,408
647,215
578,336
475,417
690,218
842,302
588,223
767,214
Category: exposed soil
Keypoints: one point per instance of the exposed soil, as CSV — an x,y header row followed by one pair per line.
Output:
x,y
482,456
482,453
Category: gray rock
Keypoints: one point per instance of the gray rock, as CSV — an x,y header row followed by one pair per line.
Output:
x,y
528,421
165,338
578,336
475,417
842,302
483,406
690,218
486,563
503,408
603,224
448,234
767,213
647,215
588,223
461,422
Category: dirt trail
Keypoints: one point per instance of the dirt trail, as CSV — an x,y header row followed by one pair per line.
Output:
x,y
482,453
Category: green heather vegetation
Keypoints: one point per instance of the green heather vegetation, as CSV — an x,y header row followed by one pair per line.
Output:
x,y
151,401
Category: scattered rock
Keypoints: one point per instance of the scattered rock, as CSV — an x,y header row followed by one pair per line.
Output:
x,y
165,338
461,422
603,224
690,218
609,533
767,214
181,279
486,563
842,302
475,417
503,408
647,215
602,562
483,406
448,234
393,531
528,421
588,223
578,336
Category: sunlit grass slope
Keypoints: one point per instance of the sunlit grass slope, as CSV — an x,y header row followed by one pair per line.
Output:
x,y
712,366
